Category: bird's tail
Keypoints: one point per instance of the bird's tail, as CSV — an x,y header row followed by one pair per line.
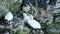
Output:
x,y
41,30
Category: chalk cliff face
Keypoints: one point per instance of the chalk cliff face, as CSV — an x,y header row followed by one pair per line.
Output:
x,y
49,21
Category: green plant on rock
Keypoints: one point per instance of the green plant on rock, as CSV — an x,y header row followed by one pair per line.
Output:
x,y
9,5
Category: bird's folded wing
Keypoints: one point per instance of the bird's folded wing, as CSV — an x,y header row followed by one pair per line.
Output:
x,y
34,24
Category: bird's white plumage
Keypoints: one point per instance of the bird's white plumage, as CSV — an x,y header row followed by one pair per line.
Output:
x,y
26,18
27,8
34,24
8,16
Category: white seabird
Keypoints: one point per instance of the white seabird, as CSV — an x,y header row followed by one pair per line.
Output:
x,y
8,16
31,23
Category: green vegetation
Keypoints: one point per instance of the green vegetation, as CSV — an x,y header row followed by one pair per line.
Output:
x,y
14,6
